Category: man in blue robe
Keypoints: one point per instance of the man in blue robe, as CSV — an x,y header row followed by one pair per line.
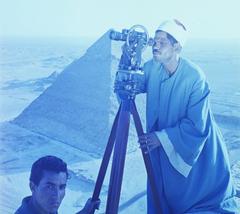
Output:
x,y
187,150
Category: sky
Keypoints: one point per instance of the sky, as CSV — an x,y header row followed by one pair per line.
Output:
x,y
92,18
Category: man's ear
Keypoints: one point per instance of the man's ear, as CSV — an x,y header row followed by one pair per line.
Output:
x,y
177,47
32,186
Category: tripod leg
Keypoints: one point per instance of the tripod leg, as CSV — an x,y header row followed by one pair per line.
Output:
x,y
118,159
105,160
146,159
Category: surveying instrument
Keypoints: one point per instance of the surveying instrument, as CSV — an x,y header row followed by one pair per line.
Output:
x,y
127,86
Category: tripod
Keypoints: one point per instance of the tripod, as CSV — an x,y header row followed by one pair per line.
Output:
x,y
126,86
119,136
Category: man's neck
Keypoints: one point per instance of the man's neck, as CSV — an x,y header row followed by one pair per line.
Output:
x,y
171,65
37,207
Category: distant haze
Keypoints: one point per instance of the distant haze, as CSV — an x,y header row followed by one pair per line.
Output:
x,y
80,18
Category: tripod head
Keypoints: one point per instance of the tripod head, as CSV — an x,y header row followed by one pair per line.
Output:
x,y
127,83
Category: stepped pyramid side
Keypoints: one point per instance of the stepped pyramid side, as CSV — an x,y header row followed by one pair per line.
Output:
x,y
78,108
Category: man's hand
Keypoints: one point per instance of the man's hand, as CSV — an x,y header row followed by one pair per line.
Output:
x,y
90,206
148,142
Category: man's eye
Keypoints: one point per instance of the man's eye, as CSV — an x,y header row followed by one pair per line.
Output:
x,y
50,187
62,187
161,43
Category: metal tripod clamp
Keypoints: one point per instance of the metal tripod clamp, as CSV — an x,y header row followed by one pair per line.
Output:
x,y
128,84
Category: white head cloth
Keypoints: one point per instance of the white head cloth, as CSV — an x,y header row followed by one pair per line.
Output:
x,y
176,29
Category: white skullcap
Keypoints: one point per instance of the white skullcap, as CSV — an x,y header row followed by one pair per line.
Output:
x,y
176,29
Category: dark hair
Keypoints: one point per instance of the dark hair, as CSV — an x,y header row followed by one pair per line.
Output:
x,y
169,36
47,163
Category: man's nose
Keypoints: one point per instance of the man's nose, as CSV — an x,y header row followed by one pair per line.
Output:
x,y
56,193
156,44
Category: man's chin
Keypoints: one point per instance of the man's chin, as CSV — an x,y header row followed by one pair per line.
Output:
x,y
157,58
53,208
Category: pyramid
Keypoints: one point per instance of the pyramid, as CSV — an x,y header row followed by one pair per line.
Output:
x,y
75,108
78,109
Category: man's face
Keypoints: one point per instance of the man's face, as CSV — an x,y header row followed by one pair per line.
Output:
x,y
48,194
162,50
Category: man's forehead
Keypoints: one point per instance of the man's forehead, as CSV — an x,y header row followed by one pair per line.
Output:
x,y
54,177
161,35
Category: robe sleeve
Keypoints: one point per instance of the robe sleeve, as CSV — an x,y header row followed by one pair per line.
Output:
x,y
184,141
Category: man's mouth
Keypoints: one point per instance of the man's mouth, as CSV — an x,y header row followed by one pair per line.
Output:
x,y
55,204
156,51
